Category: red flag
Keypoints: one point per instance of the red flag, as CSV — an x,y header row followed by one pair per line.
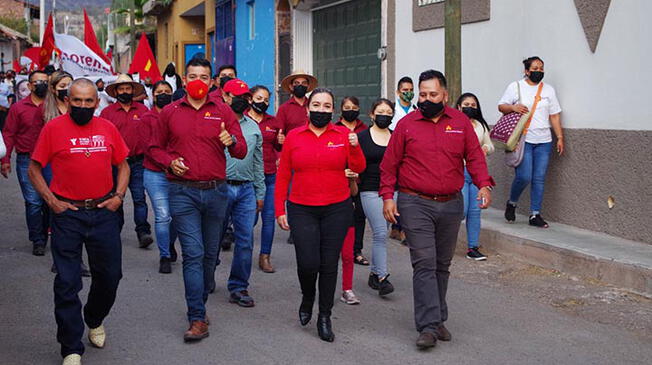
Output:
x,y
16,66
47,46
144,62
90,40
33,54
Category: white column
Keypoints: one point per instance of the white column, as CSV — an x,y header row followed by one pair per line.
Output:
x,y
302,40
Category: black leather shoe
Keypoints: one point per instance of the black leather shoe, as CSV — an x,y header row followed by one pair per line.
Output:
x,y
510,212
173,253
426,340
324,328
144,240
305,311
165,266
38,249
443,334
242,299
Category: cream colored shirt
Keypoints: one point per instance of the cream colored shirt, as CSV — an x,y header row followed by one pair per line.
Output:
x,y
483,137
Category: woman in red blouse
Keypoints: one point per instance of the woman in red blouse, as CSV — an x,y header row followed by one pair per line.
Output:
x,y
319,208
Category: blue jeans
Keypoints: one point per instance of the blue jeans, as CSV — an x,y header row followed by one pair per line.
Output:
x,y
471,210
37,214
99,231
269,221
198,216
373,210
241,208
156,185
532,170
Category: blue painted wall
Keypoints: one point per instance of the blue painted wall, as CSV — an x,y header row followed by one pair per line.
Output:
x,y
255,57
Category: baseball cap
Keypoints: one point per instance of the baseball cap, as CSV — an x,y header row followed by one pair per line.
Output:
x,y
236,87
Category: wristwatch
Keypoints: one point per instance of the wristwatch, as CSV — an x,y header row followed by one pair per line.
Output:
x,y
235,140
489,187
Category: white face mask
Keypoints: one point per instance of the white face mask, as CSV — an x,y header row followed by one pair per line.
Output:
x,y
23,93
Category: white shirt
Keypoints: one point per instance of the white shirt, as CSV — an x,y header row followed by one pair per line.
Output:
x,y
3,148
539,131
105,100
399,113
172,80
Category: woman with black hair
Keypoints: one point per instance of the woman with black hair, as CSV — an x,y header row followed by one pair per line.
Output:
x,y
469,105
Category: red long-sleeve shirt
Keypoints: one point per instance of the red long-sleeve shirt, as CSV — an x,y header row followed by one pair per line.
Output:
x,y
359,126
269,127
22,128
129,124
292,115
149,122
183,131
316,165
428,157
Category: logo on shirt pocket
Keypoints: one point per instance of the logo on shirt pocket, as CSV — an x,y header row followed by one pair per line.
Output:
x,y
450,129
208,115
333,145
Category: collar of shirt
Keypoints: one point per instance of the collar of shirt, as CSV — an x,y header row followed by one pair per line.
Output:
x,y
306,129
358,124
185,101
445,115
293,100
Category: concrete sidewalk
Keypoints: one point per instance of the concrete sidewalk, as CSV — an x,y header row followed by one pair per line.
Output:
x,y
571,250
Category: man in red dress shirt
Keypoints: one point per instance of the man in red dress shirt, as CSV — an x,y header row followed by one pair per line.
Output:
x,y
425,159
190,139
294,112
20,132
127,115
82,149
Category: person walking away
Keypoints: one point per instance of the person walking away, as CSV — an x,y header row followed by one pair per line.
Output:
x,y
433,141
81,149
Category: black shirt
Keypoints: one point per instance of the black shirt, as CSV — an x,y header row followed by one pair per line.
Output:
x,y
373,153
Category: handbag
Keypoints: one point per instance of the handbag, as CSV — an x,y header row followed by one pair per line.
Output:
x,y
509,128
515,157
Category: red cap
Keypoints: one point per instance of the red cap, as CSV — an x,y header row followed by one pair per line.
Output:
x,y
236,87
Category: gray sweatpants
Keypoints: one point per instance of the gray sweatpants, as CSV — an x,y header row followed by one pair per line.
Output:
x,y
431,230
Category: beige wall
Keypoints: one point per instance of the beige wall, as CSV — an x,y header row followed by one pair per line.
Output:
x,y
181,30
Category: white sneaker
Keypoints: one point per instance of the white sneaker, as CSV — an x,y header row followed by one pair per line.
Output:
x,y
72,359
97,336
348,297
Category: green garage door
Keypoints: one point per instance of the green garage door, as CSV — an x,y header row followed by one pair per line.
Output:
x,y
346,39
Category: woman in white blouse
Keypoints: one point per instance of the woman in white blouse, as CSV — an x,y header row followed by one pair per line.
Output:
x,y
519,97
469,105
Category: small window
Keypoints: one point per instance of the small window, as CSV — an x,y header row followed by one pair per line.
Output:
x,y
251,6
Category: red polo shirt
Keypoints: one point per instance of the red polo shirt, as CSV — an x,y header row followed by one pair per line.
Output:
x,y
22,127
428,157
149,122
269,127
359,126
216,94
184,131
291,115
128,123
316,165
80,156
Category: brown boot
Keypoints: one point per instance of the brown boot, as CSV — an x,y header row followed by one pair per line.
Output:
x,y
265,264
198,330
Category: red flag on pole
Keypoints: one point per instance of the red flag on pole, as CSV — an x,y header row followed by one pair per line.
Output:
x,y
144,62
33,54
16,66
90,40
47,46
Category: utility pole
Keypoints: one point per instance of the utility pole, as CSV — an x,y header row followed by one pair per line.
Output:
x,y
41,20
453,48
132,31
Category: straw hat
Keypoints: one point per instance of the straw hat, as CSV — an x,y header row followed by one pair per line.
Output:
x,y
125,79
286,84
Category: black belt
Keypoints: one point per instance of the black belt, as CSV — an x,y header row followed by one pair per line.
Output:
x,y
87,204
201,185
136,158
442,198
237,182
23,153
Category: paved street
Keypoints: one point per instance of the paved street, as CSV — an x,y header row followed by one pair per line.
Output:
x,y
491,322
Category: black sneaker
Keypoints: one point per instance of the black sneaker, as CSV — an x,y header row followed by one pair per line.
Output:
x,y
173,253
144,240
385,287
165,265
510,212
475,254
242,299
38,249
227,241
373,282
537,221
84,271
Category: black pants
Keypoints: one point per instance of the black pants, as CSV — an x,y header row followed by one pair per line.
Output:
x,y
431,229
360,221
318,233
99,230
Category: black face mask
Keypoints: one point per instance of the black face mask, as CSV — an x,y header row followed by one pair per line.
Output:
x,y
260,107
41,89
383,121
350,115
320,119
536,76
472,113
239,105
163,100
81,116
299,91
224,80
125,98
61,94
100,89
430,109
